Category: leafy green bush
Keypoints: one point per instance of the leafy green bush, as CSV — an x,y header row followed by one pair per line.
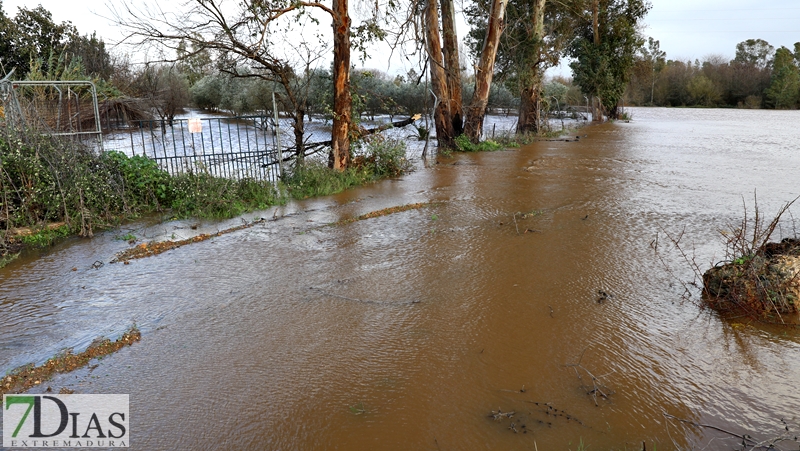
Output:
x,y
144,180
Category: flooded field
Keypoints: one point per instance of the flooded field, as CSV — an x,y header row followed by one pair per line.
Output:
x,y
422,329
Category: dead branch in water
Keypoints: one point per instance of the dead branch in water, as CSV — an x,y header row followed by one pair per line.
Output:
x,y
748,442
362,301
597,387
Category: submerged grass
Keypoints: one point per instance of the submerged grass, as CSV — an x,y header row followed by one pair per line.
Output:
x,y
28,376
385,212
159,247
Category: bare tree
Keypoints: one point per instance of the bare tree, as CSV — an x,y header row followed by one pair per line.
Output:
x,y
250,34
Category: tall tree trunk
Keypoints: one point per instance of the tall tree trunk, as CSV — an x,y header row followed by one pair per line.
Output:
x,y
342,99
452,65
299,134
597,109
530,97
596,22
441,115
483,79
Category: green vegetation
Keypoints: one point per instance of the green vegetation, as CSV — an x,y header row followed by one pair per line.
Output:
x,y
758,77
463,144
604,51
45,180
376,158
46,237
7,258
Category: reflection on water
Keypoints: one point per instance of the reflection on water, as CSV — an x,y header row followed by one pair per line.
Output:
x,y
294,336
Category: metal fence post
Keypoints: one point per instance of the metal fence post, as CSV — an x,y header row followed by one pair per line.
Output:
x,y
277,135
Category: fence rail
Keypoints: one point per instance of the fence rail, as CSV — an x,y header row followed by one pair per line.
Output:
x,y
235,147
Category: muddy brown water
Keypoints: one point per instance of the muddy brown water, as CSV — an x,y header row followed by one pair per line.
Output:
x,y
408,330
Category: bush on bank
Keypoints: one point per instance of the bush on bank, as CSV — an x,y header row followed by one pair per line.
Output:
x,y
376,158
45,179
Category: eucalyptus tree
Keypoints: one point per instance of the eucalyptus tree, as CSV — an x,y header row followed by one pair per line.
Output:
x,y
536,35
484,71
604,50
443,113
254,34
756,52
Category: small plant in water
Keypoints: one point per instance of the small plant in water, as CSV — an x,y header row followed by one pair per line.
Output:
x,y
358,409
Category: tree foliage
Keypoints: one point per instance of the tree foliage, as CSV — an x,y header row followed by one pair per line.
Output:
x,y
32,38
605,47
784,87
716,81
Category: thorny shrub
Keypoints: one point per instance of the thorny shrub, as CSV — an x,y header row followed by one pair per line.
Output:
x,y
759,278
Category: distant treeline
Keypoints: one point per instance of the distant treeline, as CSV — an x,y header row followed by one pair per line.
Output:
x,y
758,77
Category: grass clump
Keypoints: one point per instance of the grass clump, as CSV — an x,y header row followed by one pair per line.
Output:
x,y
374,159
463,144
46,236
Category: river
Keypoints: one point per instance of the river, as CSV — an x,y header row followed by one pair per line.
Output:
x,y
408,331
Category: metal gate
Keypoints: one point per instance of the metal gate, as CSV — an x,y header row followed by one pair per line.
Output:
x,y
231,147
58,108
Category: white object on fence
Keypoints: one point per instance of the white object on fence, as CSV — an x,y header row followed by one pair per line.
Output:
x,y
195,126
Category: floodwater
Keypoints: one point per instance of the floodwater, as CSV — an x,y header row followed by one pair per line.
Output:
x,y
407,331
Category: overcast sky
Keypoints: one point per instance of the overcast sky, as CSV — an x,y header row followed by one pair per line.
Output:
x,y
687,29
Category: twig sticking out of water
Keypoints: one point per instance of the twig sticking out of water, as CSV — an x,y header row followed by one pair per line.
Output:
x,y
499,414
363,301
597,387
